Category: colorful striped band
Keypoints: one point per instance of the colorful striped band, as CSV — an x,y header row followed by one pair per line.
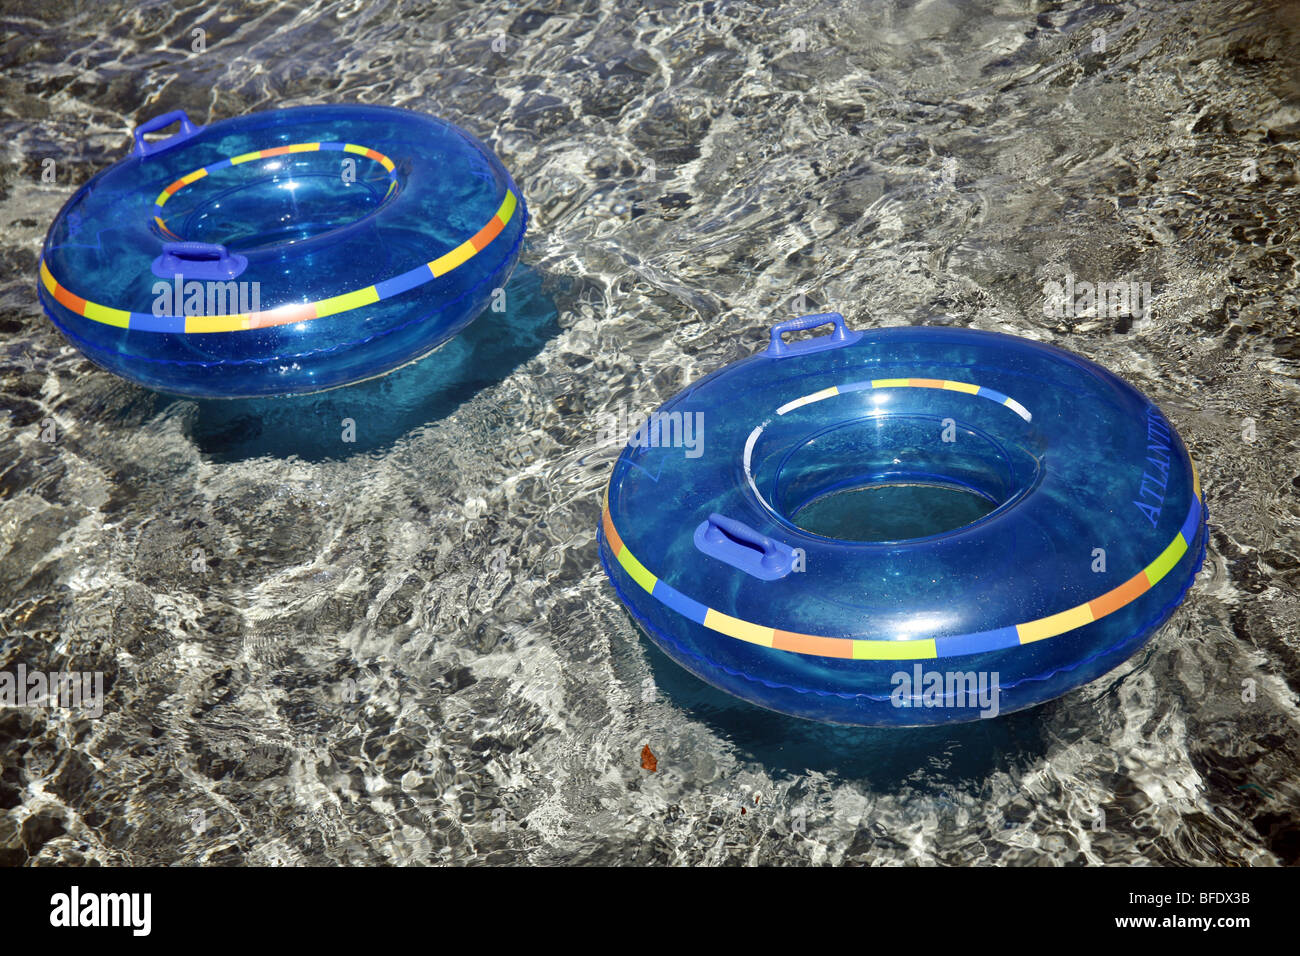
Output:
x,y
925,649
966,387
188,178
294,312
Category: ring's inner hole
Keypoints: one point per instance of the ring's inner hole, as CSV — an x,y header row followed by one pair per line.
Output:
x,y
271,202
892,477
892,511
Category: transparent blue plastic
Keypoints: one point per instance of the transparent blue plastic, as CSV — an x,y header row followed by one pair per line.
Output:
x,y
301,227
1077,526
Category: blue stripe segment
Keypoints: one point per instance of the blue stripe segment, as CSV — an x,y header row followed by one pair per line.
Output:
x,y
147,322
679,602
1193,522
222,164
855,387
407,280
331,147
960,644
990,393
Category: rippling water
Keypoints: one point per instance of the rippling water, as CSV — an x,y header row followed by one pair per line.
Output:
x,y
402,649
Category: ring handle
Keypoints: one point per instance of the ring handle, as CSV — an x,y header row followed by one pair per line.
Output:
x,y
840,336
144,150
737,544
198,260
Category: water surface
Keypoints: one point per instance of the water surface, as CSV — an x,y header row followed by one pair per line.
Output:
x,y
402,649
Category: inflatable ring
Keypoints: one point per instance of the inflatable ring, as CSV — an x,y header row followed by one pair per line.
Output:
x,y
283,252
902,527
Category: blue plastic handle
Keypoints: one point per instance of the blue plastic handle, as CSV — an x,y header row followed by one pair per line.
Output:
x,y
198,260
840,336
740,546
188,129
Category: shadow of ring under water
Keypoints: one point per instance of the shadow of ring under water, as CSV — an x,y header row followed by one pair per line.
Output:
x,y
888,759
384,409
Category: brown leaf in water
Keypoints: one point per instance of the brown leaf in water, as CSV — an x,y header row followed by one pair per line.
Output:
x,y
648,761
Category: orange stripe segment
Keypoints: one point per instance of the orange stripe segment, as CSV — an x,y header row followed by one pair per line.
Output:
x,y
811,644
485,235
1115,599
74,302
611,535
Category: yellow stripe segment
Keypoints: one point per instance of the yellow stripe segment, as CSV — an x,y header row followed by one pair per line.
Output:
x,y
889,383
304,148
1055,624
444,264
347,301
735,627
966,387
637,570
1161,566
245,157
47,279
894,650
102,313
216,323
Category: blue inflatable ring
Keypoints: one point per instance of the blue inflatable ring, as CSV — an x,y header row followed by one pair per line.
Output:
x,y
1089,533
283,252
